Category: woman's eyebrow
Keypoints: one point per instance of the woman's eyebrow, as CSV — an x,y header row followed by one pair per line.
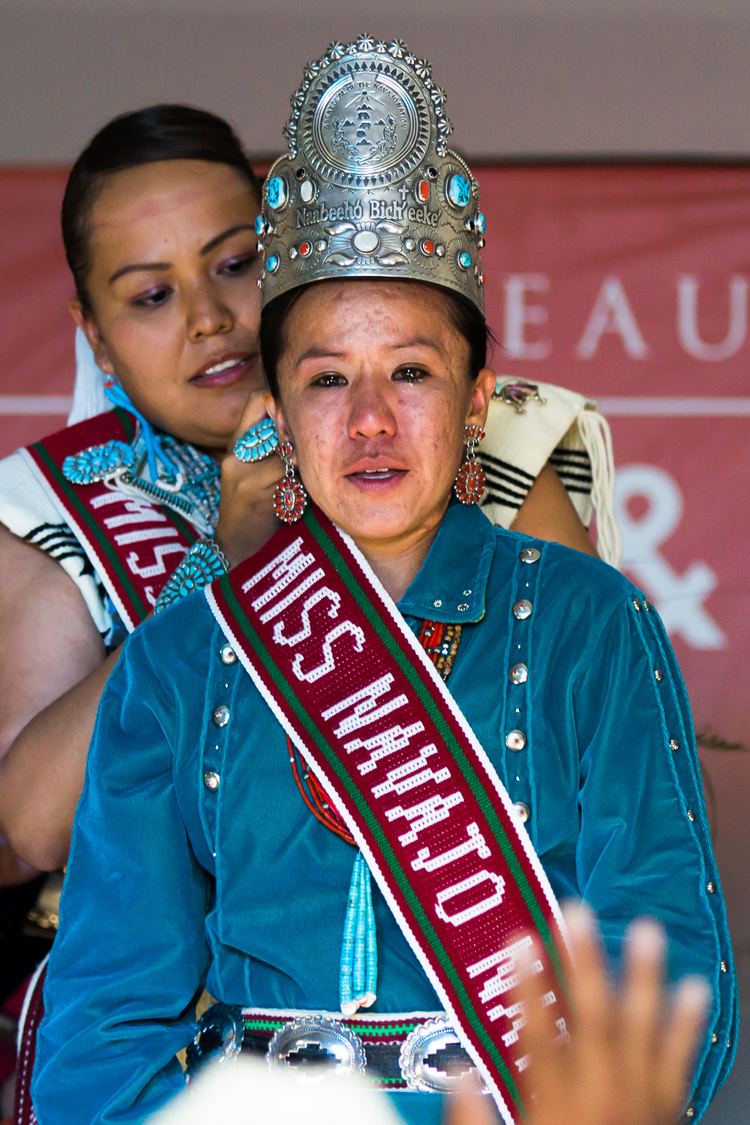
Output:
x,y
219,238
418,342
318,353
403,345
139,266
210,245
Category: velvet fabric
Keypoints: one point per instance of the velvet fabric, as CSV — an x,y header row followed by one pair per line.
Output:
x,y
172,885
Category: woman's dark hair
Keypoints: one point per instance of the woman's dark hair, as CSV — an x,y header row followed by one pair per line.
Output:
x,y
464,316
158,132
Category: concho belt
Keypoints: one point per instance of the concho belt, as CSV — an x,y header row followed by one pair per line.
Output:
x,y
394,1052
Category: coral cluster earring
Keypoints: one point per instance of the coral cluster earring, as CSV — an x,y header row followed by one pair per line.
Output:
x,y
289,496
470,480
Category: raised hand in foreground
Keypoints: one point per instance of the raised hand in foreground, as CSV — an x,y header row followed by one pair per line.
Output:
x,y
631,1048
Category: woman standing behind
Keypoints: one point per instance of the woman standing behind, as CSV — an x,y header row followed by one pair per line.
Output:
x,y
158,223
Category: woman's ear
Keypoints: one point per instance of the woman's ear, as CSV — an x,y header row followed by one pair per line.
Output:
x,y
90,330
274,410
481,394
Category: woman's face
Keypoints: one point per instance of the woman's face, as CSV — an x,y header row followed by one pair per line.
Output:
x,y
374,393
174,299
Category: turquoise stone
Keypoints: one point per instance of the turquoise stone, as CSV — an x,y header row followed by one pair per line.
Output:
x,y
260,226
458,190
258,442
464,259
480,222
97,462
276,193
272,263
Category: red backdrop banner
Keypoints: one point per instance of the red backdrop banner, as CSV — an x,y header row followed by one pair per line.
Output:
x,y
628,283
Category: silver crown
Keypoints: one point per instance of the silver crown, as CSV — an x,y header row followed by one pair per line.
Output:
x,y
368,187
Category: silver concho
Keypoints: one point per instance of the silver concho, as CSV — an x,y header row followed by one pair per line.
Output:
x,y
364,123
219,1036
316,1047
432,1057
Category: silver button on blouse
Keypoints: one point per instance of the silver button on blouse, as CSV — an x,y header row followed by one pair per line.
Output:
x,y
211,780
515,740
518,674
227,654
221,715
522,609
530,555
523,811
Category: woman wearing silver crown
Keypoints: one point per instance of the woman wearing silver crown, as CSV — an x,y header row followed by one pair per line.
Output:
x,y
178,342
346,783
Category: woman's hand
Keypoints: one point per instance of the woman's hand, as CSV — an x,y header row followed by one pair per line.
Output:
x,y
246,519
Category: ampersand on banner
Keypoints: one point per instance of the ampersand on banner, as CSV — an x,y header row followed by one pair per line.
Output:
x,y
680,598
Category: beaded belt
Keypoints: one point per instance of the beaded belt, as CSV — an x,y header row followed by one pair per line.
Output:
x,y
411,1051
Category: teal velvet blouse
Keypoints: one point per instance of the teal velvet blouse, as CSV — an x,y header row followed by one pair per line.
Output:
x,y
173,885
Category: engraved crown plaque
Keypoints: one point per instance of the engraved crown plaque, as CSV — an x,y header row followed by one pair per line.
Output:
x,y
368,187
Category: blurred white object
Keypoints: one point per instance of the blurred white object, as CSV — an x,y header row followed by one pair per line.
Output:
x,y
88,392
249,1090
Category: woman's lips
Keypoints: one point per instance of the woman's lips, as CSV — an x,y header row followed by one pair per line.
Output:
x,y
376,480
223,373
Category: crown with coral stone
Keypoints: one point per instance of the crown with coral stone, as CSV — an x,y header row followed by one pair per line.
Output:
x,y
368,187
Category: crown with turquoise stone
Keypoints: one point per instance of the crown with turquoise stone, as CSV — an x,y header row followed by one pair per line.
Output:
x,y
368,187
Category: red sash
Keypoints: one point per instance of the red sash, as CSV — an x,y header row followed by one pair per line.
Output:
x,y
348,681
133,544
